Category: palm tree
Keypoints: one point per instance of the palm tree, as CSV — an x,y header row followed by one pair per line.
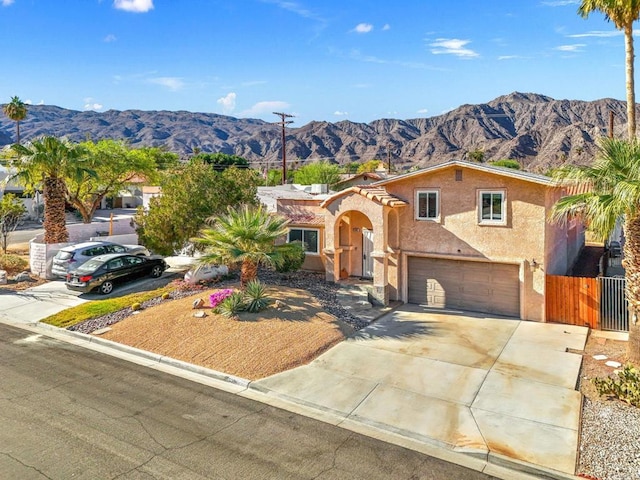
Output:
x,y
16,110
622,13
611,189
246,236
49,161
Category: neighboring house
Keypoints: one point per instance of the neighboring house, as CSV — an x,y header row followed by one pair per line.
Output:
x,y
306,217
32,203
148,192
360,179
457,235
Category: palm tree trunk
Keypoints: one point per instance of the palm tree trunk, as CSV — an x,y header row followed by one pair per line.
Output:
x,y
248,272
55,228
17,132
632,273
631,94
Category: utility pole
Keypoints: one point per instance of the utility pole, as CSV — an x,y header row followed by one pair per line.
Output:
x,y
611,123
284,123
388,158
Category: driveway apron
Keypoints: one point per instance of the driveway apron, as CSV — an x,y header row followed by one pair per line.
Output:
x,y
497,389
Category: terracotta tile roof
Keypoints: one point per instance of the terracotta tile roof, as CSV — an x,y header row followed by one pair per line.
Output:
x,y
376,194
304,219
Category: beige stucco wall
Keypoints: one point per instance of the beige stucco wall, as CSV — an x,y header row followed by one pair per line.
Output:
x,y
457,233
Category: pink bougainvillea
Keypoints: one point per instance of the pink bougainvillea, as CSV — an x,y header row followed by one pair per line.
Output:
x,y
216,298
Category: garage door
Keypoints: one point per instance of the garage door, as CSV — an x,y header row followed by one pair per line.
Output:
x,y
475,286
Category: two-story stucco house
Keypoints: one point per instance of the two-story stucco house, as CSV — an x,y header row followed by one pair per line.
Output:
x,y
457,235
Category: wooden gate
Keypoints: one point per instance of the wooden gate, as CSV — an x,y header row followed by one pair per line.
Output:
x,y
572,300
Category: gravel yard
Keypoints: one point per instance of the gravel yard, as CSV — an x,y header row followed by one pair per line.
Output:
x,y
610,436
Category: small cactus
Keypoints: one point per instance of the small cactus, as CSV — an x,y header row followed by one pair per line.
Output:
x,y
136,306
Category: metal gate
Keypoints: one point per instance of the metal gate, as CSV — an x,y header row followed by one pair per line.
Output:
x,y
614,309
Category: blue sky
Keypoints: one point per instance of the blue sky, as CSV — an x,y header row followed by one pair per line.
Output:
x,y
316,59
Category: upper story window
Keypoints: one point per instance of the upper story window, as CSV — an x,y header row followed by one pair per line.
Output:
x,y
308,236
492,207
427,205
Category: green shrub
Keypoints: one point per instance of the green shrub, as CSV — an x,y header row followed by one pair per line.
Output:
x,y
255,297
625,385
292,259
13,264
507,162
136,306
232,305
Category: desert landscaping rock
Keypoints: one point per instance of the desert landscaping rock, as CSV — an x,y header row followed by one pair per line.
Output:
x,y
609,441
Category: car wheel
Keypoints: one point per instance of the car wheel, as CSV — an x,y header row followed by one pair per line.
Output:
x,y
156,271
106,287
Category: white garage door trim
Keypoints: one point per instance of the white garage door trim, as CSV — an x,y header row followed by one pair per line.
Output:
x,y
486,287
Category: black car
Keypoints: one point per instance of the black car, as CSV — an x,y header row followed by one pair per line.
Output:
x,y
103,271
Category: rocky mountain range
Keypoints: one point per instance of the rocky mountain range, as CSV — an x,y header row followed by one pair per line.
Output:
x,y
538,131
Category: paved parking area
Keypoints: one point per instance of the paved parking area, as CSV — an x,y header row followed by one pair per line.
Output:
x,y
497,389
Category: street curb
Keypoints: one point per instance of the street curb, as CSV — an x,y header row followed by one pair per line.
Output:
x,y
492,463
153,357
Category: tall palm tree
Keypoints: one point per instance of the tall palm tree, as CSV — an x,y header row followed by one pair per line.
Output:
x,y
48,162
611,189
246,236
16,110
622,13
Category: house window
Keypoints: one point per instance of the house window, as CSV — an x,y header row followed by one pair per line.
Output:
x,y
492,207
427,205
458,174
307,236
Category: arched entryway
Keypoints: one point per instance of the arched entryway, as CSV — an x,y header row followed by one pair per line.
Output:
x,y
355,245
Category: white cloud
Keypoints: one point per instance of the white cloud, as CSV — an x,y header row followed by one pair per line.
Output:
x,y
110,38
28,102
363,28
422,111
93,106
136,6
172,83
261,108
228,103
41,102
6,3
253,83
508,57
560,3
596,33
339,113
296,8
576,47
386,27
452,46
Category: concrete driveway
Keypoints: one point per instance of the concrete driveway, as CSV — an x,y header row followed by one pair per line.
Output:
x,y
499,390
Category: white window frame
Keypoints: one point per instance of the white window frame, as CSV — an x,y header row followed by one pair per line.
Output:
x,y
503,207
303,238
417,209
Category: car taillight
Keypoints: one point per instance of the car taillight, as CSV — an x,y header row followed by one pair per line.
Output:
x,y
85,278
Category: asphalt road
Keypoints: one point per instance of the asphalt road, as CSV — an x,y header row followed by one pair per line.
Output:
x,y
67,412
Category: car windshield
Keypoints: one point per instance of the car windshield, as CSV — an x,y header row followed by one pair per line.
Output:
x,y
90,266
62,255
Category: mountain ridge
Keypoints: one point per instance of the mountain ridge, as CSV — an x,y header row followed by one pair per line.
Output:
x,y
537,130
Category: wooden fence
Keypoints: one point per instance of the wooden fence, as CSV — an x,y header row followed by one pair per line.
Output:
x,y
572,300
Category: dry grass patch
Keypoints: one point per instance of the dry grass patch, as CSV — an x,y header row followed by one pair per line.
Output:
x,y
252,346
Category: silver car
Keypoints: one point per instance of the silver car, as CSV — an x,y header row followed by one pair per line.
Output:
x,y
71,257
